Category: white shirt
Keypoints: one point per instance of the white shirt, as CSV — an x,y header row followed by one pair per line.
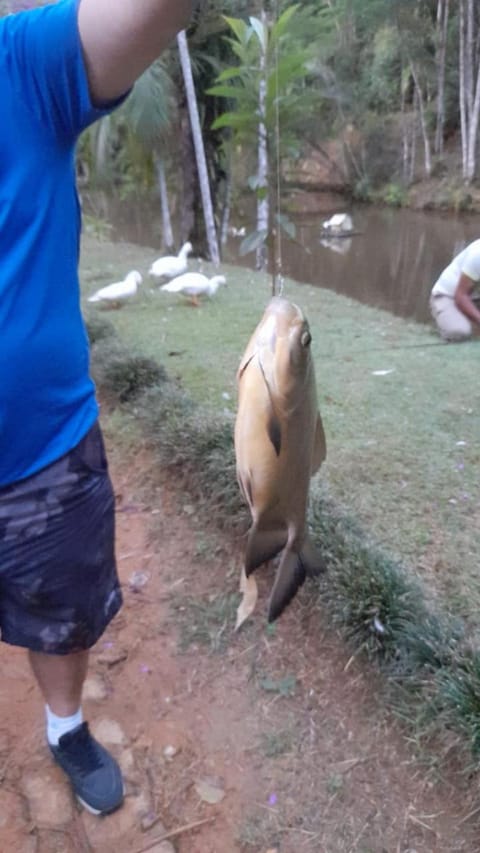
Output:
x,y
467,262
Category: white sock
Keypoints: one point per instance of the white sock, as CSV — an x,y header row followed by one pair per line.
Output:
x,y
58,726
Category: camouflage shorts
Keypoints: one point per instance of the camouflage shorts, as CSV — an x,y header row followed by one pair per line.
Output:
x,y
58,581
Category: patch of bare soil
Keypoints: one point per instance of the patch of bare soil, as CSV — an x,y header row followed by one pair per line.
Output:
x,y
270,740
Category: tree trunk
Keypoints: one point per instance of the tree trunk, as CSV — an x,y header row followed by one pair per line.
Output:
x,y
413,144
441,51
199,147
405,132
473,132
462,93
423,122
263,214
167,233
227,203
469,87
188,191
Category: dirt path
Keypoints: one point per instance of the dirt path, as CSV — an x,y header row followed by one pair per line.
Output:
x,y
278,727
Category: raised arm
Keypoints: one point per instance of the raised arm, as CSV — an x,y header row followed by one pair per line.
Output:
x,y
121,38
463,298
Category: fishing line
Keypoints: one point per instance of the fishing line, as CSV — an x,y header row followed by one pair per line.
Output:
x,y
278,280
395,347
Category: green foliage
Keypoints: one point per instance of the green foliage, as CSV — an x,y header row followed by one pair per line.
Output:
x,y
384,71
362,189
205,622
460,693
120,374
198,446
120,148
264,51
394,195
98,329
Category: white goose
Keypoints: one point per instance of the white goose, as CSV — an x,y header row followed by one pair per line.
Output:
x,y
114,294
171,265
193,285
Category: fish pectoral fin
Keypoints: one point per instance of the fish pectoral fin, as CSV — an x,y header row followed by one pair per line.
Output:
x,y
248,355
263,545
311,559
319,446
274,430
290,576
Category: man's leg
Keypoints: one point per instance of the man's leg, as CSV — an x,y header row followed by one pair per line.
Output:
x,y
60,678
59,592
452,323
94,774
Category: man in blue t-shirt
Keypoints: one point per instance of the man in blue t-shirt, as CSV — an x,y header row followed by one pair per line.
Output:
x,y
62,66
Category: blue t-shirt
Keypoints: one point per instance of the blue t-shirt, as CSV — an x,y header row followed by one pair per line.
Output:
x,y
47,399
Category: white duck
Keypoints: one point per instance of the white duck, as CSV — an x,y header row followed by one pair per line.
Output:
x,y
116,293
339,223
193,285
171,265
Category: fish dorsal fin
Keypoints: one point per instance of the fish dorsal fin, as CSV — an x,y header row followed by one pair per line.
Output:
x,y
319,446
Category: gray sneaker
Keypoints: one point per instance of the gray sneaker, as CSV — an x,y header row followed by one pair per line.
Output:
x,y
94,774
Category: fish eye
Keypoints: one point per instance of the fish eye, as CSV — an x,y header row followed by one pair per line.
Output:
x,y
306,338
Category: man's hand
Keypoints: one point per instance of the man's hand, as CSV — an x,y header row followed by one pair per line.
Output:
x,y
121,38
463,298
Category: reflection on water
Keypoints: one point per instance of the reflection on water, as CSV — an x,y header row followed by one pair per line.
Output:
x,y
391,262
342,245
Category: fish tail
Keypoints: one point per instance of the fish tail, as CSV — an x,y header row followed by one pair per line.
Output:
x,y
263,545
294,568
311,559
290,576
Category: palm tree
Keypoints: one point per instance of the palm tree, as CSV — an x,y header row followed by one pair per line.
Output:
x,y
136,140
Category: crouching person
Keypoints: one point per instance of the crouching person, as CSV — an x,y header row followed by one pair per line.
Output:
x,y
455,296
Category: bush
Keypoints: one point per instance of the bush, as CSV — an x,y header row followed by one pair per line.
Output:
x,y
199,446
123,375
99,329
394,195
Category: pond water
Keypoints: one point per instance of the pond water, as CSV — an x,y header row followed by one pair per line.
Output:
x,y
391,262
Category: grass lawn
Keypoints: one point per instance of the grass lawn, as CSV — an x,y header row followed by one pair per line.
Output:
x,y
400,408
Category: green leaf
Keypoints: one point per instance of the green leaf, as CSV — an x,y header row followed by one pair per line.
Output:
x,y
238,121
224,91
280,26
253,182
239,27
229,74
260,31
284,686
253,241
286,225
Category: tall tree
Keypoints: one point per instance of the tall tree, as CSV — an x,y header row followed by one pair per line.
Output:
x,y
469,83
199,147
443,8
